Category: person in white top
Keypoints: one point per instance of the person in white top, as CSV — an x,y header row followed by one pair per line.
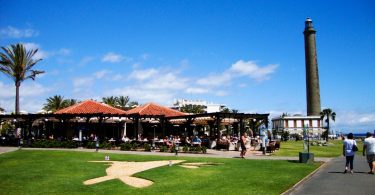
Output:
x,y
348,152
369,149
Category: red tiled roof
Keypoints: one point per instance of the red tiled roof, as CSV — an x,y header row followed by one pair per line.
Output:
x,y
155,109
90,107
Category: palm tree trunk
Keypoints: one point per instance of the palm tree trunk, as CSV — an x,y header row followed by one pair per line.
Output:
x,y
18,84
327,128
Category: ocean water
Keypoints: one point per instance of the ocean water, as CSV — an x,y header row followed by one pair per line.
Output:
x,y
360,134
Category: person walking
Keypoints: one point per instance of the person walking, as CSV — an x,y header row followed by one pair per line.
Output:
x,y
243,141
348,152
369,149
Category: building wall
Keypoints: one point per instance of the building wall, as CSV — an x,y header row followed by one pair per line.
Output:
x,y
295,125
209,107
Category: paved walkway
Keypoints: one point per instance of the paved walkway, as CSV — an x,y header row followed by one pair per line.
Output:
x,y
330,179
7,149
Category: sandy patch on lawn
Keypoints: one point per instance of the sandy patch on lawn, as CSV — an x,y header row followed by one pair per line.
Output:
x,y
124,171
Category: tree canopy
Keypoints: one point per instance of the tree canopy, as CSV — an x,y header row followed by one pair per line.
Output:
x,y
17,63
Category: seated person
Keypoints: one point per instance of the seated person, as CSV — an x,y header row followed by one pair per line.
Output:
x,y
197,140
167,142
125,139
187,140
205,141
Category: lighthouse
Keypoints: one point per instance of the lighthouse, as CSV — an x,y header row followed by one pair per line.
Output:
x,y
312,76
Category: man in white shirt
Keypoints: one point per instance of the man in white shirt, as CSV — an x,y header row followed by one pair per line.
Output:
x,y
369,149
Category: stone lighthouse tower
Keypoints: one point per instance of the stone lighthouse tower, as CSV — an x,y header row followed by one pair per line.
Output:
x,y
312,76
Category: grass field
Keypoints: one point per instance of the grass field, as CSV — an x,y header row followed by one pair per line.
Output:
x,y
334,149
63,172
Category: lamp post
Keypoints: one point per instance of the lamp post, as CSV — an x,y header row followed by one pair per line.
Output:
x,y
303,156
176,148
153,140
263,136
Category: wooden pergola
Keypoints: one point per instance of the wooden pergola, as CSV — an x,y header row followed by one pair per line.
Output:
x,y
141,120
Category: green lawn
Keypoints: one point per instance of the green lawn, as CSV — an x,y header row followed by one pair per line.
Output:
x,y
334,149
63,172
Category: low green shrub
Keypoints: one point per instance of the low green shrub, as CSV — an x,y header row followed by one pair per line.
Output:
x,y
105,145
185,148
53,144
147,147
91,145
135,145
163,149
204,149
126,146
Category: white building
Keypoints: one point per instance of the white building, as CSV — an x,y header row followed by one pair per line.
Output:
x,y
295,124
209,107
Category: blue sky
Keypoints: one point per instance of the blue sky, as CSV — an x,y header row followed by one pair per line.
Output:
x,y
248,55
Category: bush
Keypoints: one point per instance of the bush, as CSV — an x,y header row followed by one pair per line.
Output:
x,y
126,146
53,144
285,136
204,149
163,149
105,145
198,149
147,147
185,148
135,145
298,137
91,145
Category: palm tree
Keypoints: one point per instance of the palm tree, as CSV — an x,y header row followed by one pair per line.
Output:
x,y
122,101
227,110
58,102
133,104
196,109
2,109
17,63
329,114
111,100
70,102
55,103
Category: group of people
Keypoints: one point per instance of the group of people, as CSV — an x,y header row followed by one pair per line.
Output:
x,y
350,147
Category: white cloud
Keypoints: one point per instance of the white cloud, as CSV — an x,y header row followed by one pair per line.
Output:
x,y
144,95
353,118
117,77
167,80
101,74
12,32
38,55
215,80
33,89
196,90
27,89
42,54
82,83
145,56
6,90
238,69
221,93
155,85
85,60
143,74
61,52
114,58
251,69
30,96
